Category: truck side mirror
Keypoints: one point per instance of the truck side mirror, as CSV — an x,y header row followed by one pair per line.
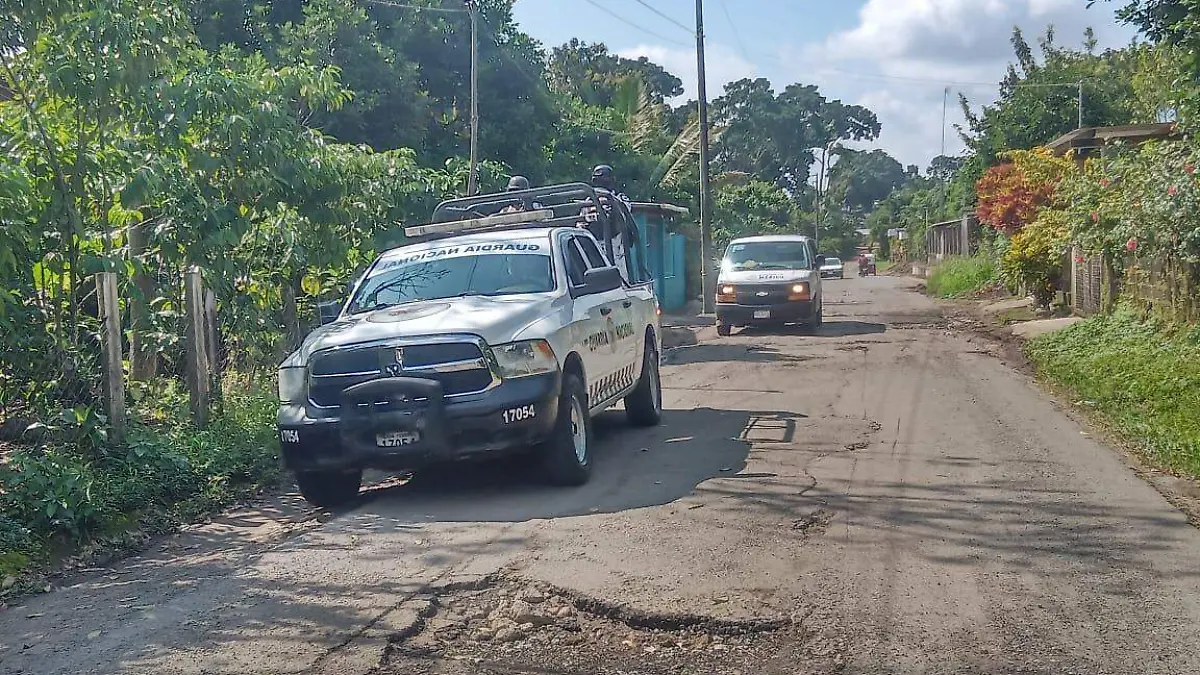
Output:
x,y
329,311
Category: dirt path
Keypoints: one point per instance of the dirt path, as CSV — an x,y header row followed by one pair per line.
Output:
x,y
883,497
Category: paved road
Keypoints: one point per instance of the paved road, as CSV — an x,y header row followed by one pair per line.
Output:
x,y
883,497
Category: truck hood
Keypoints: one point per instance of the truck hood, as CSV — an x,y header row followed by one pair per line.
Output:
x,y
764,276
495,319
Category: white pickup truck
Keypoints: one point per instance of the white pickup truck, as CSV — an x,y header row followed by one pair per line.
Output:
x,y
500,331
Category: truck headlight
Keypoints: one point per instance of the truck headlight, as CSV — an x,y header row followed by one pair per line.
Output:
x,y
291,384
525,358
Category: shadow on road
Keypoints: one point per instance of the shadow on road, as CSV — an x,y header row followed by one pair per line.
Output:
x,y
632,469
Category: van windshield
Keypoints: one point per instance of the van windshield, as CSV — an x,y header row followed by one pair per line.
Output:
x,y
766,255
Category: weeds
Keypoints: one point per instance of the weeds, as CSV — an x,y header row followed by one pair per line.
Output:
x,y
1143,377
958,277
168,472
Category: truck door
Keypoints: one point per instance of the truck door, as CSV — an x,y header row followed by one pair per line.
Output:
x,y
589,320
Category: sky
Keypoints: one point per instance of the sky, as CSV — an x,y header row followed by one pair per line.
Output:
x,y
897,57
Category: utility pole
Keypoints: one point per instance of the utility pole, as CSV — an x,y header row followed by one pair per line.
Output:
x,y
707,278
473,180
945,106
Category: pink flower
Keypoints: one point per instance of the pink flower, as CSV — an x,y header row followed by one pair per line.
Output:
x,y
1095,216
1172,190
1079,259
1104,182
1131,245
1190,168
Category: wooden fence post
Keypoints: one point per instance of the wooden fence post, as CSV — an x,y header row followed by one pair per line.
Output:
x,y
111,347
198,373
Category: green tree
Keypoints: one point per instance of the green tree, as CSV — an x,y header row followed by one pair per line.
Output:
x,y
594,75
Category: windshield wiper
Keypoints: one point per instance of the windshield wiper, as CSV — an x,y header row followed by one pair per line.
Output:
x,y
383,305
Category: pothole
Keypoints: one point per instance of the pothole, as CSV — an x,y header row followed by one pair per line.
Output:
x,y
514,626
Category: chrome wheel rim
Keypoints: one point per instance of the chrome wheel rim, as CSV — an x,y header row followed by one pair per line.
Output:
x,y
578,432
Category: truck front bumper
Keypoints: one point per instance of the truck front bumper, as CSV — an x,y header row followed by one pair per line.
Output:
x,y
515,415
747,315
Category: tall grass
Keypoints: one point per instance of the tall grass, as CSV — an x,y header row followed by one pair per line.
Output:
x,y
1142,377
958,277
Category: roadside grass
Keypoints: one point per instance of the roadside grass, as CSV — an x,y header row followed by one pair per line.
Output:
x,y
59,498
960,277
1141,376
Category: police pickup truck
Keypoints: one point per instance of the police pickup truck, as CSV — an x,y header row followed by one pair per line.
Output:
x,y
502,329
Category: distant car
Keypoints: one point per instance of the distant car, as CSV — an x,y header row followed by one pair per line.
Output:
x,y
833,268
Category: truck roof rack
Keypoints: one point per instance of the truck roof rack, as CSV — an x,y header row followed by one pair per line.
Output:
x,y
563,205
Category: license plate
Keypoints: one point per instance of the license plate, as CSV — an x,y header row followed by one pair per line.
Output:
x,y
397,439
763,314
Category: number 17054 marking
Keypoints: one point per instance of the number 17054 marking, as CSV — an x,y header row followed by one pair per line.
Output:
x,y
521,414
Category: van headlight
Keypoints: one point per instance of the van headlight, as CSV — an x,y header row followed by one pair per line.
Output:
x,y
291,384
525,358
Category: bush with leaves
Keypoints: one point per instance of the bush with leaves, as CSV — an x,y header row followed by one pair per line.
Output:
x,y
1142,202
1034,257
1011,194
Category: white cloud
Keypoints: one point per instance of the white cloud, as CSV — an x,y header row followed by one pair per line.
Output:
x,y
722,64
901,54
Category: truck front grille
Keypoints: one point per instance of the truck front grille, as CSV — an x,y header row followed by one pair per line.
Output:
x,y
763,295
461,367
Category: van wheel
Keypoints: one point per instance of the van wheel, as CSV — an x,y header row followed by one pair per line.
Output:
x,y
643,407
723,329
567,455
329,489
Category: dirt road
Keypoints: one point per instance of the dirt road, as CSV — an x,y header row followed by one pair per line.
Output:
x,y
883,497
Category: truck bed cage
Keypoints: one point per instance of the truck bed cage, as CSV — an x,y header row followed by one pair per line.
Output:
x,y
565,205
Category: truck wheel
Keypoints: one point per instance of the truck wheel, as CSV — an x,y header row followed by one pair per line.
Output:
x,y
723,329
567,455
643,407
329,489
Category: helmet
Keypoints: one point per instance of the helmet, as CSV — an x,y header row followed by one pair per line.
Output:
x,y
517,183
602,176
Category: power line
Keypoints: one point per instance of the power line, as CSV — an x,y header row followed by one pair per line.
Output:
x,y
420,8
652,8
736,36
633,25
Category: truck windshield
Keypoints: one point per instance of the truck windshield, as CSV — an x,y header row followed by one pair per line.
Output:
x,y
766,255
417,277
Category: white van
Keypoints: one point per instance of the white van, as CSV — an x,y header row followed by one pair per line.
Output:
x,y
770,279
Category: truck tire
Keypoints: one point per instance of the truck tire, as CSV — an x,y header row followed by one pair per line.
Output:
x,y
329,489
567,455
643,406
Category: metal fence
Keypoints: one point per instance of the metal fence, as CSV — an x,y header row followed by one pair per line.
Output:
x,y
952,238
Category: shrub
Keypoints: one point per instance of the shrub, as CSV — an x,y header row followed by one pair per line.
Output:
x,y
958,277
1034,257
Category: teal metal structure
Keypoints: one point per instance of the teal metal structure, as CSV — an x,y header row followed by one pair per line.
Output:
x,y
665,251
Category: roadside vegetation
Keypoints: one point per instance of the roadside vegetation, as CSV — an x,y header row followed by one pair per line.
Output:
x,y
961,277
1142,376
65,490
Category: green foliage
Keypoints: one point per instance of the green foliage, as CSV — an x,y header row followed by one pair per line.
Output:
x,y
771,136
1142,202
1029,113
1142,377
960,277
755,207
168,468
860,179
1034,260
